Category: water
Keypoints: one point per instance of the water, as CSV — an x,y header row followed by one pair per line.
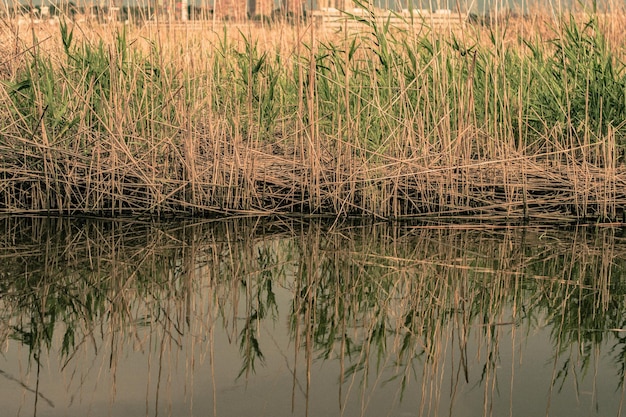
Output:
x,y
255,317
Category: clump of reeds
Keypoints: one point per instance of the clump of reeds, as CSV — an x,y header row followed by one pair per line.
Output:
x,y
385,121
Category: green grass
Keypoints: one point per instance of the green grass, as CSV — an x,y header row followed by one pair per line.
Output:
x,y
483,121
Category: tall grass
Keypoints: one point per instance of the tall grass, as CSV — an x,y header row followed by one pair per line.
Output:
x,y
513,118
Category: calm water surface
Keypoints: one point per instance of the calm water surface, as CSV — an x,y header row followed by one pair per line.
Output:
x,y
288,318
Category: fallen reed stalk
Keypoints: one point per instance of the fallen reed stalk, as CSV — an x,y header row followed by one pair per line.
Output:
x,y
486,121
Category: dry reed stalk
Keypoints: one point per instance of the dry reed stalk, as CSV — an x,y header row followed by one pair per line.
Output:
x,y
209,156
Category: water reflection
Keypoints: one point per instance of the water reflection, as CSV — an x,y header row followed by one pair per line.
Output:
x,y
284,317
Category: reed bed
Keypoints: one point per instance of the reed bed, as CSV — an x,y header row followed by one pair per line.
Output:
x,y
512,119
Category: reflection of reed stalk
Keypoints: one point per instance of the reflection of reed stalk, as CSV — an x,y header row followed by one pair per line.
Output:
x,y
415,303
486,120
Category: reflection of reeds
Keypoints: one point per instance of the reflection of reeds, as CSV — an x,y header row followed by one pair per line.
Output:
x,y
373,297
492,122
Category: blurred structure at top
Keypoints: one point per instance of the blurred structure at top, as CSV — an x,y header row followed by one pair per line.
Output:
x,y
137,11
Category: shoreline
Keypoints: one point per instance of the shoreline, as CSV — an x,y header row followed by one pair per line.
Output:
x,y
516,189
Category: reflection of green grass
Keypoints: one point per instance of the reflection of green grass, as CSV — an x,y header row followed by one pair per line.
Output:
x,y
374,296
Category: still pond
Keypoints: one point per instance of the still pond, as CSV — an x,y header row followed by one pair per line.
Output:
x,y
259,317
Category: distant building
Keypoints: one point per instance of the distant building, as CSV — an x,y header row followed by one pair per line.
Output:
x,y
396,5
251,9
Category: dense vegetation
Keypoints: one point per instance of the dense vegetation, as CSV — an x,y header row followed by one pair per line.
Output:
x,y
518,118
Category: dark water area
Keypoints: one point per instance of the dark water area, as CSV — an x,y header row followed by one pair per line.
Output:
x,y
252,317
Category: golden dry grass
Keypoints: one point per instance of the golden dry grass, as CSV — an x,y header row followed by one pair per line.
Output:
x,y
182,126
